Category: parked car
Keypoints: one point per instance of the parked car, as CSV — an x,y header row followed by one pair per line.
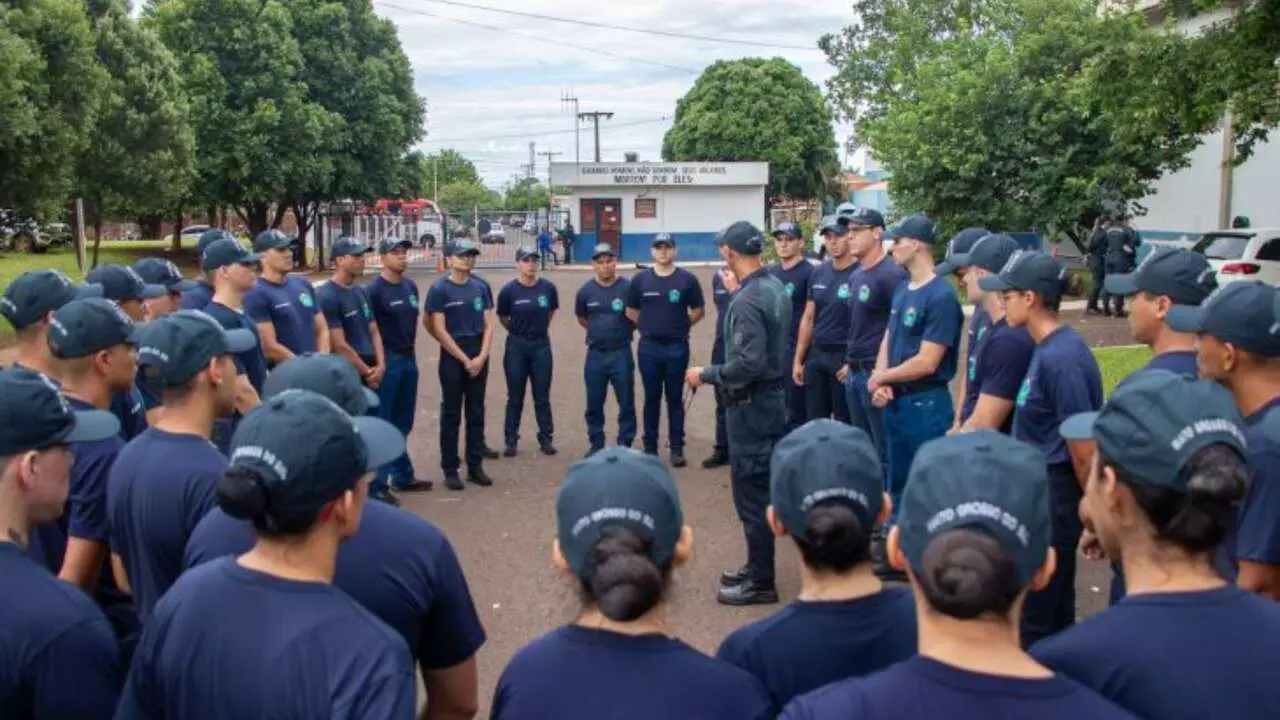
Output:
x,y
1244,254
191,234
497,234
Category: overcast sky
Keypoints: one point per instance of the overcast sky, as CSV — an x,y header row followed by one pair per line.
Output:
x,y
506,79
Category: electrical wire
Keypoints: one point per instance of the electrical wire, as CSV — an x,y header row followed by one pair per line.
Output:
x,y
616,126
608,26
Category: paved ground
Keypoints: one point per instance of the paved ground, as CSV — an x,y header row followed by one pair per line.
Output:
x,y
503,534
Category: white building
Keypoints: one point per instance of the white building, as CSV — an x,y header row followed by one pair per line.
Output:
x,y
627,204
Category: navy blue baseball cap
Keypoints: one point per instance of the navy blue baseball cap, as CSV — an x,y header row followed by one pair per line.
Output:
x,y
916,227
981,480
1153,424
1244,313
618,486
387,244
178,345
861,217
34,414
845,209
83,327
527,252
1185,277
663,239
825,460
211,236
348,245
1028,270
307,452
462,247
36,293
329,375
958,247
158,271
789,229
990,252
121,283
602,249
742,237
227,251
831,225
271,240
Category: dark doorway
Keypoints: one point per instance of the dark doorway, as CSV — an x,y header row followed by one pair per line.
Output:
x,y
604,218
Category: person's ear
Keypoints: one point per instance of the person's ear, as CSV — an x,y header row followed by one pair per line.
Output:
x,y
893,551
886,509
684,547
558,560
775,525
1044,575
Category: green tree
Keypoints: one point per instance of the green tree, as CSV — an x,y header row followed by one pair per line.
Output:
x,y
1017,114
463,197
448,166
527,194
762,110
50,88
413,176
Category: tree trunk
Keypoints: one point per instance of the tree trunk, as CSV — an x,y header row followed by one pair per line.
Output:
x,y
177,229
97,238
255,216
150,227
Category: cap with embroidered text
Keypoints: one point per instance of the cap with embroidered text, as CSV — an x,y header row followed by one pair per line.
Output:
x,y
960,244
862,217
990,252
526,252
83,327
271,240
663,239
348,245
211,236
122,283
831,225
388,244
825,460
36,293
916,227
1028,270
227,251
602,249
1244,313
159,271
788,229
175,347
34,414
329,375
1185,277
462,247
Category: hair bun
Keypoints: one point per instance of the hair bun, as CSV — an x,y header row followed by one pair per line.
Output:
x,y
241,493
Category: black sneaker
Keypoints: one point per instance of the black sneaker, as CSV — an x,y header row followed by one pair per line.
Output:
x,y
548,449
510,451
385,496
719,458
414,485
751,592
729,578
479,477
453,482
677,459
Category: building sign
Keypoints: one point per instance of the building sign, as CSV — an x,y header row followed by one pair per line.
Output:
x,y
646,207
674,174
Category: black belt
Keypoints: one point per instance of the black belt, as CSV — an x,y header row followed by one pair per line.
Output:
x,y
609,348
915,388
664,340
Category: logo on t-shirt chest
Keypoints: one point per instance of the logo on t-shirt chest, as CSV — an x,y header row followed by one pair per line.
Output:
x,y
616,305
673,295
543,302
909,317
477,303
864,293
304,299
842,292
790,289
1024,391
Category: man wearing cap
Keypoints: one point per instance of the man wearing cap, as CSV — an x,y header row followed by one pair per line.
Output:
x,y
1239,328
93,343
873,283
600,307
460,312
158,271
123,286
720,298
918,355
793,270
1166,277
979,321
1062,380
284,306
756,323
664,302
200,295
233,271
824,328
165,480
397,310
526,306
999,354
1121,244
59,658
29,303
545,249
353,332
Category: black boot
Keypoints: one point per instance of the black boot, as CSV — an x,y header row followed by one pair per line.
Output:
x,y
751,592
489,453
478,476
718,458
547,449
729,578
677,459
453,482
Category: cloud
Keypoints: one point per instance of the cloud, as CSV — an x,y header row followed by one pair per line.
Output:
x,y
491,90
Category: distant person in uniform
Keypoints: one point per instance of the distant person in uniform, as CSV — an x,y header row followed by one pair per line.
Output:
x,y
526,307
353,332
165,480
29,303
200,295
1163,493
824,328
979,321
664,302
1062,380
600,307
827,494
756,326
720,298
460,310
568,237
974,537
1121,251
123,286
284,306
620,533
158,271
398,566
793,270
1096,257
546,247
233,271
58,658
232,633
1239,328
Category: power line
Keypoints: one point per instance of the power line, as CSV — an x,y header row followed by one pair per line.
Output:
x,y
541,134
558,42
608,26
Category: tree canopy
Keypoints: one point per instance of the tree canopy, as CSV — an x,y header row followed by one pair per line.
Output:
x,y
527,194
463,196
759,109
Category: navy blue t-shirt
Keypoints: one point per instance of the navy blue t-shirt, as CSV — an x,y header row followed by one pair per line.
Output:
x,y
1181,362
1257,531
528,307
130,409
291,309
830,291
872,291
604,309
159,488
925,688
979,324
230,642
463,305
1062,380
998,367
577,673
197,297
251,363
795,281
664,303
929,313
1177,656
347,309
396,308
810,644
398,566
58,657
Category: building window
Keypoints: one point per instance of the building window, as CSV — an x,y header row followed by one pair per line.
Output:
x,y
646,207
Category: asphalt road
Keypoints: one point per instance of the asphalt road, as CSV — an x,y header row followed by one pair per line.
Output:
x,y
503,534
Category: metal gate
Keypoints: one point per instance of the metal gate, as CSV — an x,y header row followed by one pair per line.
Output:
x,y
499,233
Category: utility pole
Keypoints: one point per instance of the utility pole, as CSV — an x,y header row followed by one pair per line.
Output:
x,y
435,177
594,117
573,100
548,155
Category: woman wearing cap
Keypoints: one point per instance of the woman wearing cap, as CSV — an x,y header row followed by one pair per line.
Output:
x,y
267,634
973,536
620,533
1062,380
827,494
526,306
1163,492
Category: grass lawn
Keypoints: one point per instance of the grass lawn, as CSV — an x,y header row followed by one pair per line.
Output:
x,y
1118,362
